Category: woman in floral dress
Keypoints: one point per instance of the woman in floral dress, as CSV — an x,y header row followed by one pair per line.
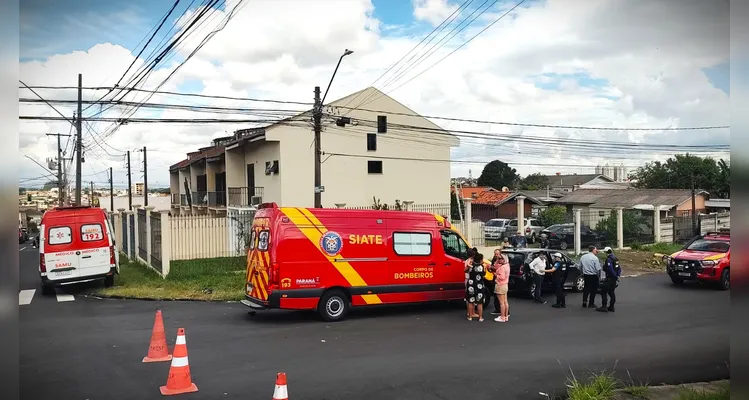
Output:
x,y
475,287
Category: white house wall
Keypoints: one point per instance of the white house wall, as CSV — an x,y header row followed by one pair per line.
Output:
x,y
346,179
259,153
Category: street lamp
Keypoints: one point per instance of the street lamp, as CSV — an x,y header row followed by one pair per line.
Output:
x,y
317,115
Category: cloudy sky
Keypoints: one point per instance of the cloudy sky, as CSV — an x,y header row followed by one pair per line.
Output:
x,y
607,63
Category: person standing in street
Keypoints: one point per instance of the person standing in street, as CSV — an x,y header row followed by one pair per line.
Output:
x,y
613,273
502,277
491,285
558,271
591,267
538,266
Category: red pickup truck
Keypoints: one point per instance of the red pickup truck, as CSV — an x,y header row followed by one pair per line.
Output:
x,y
707,258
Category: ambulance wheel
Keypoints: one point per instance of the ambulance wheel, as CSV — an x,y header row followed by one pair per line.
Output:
x,y
47,290
333,306
109,281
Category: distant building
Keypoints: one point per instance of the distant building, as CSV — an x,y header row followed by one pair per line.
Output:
x,y
138,189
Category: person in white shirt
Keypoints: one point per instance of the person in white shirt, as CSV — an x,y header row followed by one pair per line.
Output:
x,y
538,266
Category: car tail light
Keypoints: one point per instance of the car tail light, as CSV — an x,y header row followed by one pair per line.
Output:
x,y
520,270
273,274
528,230
552,234
112,259
42,264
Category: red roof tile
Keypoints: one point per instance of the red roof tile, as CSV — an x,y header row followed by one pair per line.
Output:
x,y
180,165
492,197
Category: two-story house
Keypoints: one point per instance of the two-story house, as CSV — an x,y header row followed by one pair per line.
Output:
x,y
382,150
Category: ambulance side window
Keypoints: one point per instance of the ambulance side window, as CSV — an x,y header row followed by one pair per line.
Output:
x,y
412,243
60,235
454,245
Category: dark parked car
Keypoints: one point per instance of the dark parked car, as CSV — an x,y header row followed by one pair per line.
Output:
x,y
521,276
562,236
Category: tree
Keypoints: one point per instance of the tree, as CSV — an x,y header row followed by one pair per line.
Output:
x,y
553,215
497,175
679,171
455,207
634,227
535,181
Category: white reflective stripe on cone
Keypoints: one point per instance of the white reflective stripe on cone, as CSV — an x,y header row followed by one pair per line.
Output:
x,y
280,392
181,340
179,362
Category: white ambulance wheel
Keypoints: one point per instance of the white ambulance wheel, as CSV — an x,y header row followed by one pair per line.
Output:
x,y
333,305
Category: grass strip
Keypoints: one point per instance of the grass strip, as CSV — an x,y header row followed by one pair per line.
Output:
x,y
214,279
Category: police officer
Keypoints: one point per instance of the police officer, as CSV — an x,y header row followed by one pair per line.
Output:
x,y
613,272
558,272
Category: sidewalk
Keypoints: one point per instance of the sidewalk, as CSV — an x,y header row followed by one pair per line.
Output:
x,y
677,392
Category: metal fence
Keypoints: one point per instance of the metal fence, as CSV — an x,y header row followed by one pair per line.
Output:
x,y
142,239
131,254
239,227
156,241
199,236
124,234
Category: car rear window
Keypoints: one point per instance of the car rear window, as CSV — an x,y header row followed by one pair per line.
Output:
x,y
495,223
516,259
60,235
91,232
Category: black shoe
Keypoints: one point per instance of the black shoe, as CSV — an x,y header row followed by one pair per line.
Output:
x,y
585,305
602,309
591,305
557,305
611,309
564,306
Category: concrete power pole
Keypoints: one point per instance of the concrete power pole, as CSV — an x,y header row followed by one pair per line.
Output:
x,y
111,190
79,142
129,184
317,115
145,178
60,162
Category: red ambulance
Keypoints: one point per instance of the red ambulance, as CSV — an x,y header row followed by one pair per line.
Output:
x,y
332,259
76,244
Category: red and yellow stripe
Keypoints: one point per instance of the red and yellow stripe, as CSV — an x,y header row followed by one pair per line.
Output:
x,y
313,230
258,261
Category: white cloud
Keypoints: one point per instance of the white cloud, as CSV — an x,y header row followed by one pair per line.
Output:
x,y
650,53
433,11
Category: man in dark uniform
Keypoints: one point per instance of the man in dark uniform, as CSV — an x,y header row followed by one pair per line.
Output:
x,y
558,272
613,272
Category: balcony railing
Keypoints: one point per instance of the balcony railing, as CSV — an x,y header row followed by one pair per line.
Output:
x,y
244,197
199,199
216,199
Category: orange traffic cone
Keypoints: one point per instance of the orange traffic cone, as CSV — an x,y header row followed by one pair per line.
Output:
x,y
158,350
179,380
281,393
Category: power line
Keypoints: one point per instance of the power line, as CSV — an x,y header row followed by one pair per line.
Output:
x,y
454,50
374,157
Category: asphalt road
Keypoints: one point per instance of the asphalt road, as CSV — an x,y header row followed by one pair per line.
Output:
x,y
86,348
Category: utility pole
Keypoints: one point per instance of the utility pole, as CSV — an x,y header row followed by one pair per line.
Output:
x,y
111,191
317,115
694,207
129,185
145,178
91,194
60,183
78,142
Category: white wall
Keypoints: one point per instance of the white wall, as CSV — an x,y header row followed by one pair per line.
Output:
x,y
258,153
346,179
159,202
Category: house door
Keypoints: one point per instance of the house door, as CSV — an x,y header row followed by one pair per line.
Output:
x,y
250,182
221,188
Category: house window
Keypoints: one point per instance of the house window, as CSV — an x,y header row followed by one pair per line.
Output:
x,y
374,167
412,244
371,142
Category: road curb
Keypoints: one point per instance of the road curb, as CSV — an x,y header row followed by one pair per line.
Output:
x,y
117,297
